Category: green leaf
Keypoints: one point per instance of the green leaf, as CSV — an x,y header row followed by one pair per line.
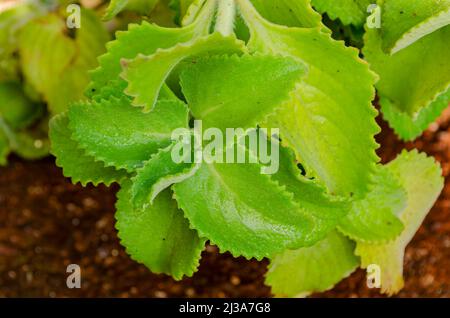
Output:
x,y
11,22
374,218
232,91
43,67
248,213
301,272
60,75
185,9
412,80
348,11
327,210
404,22
292,13
158,236
128,44
141,6
121,135
31,143
145,89
421,177
407,127
157,174
16,108
333,100
114,8
75,163
4,148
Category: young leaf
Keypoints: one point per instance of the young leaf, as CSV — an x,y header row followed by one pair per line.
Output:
x,y
157,174
404,22
348,11
411,80
145,89
75,163
421,177
374,218
128,44
232,91
301,272
333,100
158,235
121,135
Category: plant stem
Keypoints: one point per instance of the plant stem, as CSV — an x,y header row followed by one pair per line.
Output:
x,y
225,17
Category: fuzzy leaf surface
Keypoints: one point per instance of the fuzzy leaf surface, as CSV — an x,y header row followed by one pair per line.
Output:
x,y
333,100
157,174
374,218
121,135
232,91
76,164
348,11
128,44
253,214
158,236
145,89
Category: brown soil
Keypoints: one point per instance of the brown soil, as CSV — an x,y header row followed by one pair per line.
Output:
x,y
47,223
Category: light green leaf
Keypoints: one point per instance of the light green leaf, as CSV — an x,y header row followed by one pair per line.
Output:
x,y
121,135
157,174
232,91
292,13
145,89
333,100
128,44
16,108
301,272
75,163
248,213
348,11
114,8
421,177
11,21
308,194
158,236
412,80
60,75
374,218
141,6
407,127
43,67
185,9
404,22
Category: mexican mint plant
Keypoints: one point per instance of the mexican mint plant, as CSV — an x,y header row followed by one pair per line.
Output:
x,y
268,69
43,66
